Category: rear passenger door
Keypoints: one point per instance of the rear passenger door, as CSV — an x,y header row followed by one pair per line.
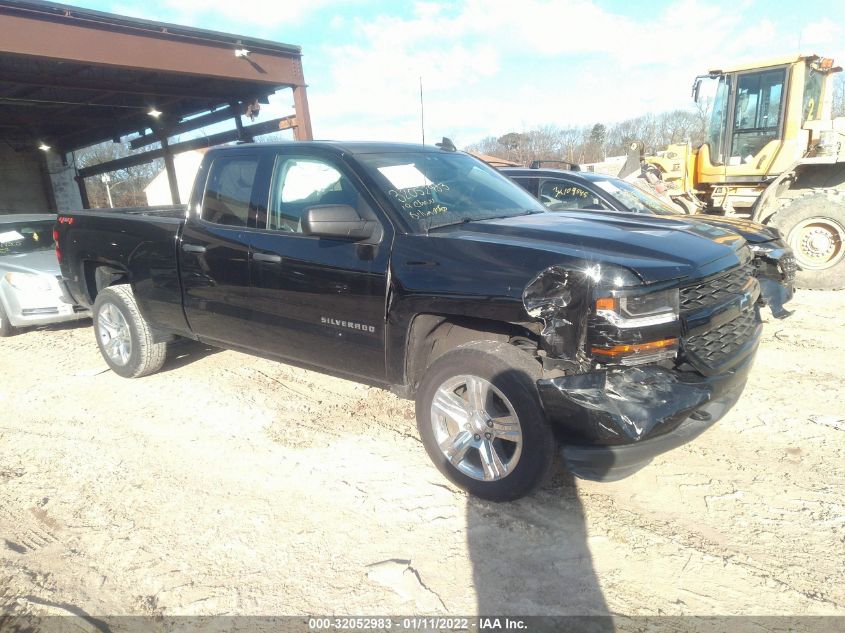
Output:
x,y
317,300
214,250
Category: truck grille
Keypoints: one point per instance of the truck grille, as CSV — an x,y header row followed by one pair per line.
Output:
x,y
715,290
719,344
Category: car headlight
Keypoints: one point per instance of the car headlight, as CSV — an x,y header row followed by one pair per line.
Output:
x,y
653,308
28,282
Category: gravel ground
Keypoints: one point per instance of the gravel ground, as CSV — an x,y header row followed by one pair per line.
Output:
x,y
233,485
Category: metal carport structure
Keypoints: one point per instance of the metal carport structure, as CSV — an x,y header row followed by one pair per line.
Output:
x,y
72,77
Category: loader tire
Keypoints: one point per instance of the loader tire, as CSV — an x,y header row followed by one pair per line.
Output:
x,y
814,226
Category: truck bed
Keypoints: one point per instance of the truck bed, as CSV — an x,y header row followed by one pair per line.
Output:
x,y
135,244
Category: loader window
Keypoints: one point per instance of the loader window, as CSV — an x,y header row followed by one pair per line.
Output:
x,y
756,114
812,103
716,131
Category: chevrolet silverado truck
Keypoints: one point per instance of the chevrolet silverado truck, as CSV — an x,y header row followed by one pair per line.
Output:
x,y
524,336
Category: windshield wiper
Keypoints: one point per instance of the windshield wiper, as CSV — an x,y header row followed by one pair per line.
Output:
x,y
463,220
467,219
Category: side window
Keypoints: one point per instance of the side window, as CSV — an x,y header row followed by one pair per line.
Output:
x,y
560,194
529,184
228,191
299,183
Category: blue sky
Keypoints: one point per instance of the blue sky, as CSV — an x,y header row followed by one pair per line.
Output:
x,y
494,66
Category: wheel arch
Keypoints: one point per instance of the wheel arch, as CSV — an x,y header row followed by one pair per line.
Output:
x,y
431,335
800,180
98,275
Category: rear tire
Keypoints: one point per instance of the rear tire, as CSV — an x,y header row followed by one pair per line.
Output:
x,y
481,422
123,336
6,327
814,226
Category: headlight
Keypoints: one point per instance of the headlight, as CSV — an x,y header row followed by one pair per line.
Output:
x,y
28,282
652,308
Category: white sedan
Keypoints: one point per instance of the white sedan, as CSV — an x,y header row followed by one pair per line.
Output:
x,y
31,290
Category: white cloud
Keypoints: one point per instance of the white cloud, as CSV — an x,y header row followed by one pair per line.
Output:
x,y
260,12
822,32
490,66
263,13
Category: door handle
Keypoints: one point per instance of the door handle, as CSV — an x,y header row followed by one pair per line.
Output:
x,y
267,257
193,248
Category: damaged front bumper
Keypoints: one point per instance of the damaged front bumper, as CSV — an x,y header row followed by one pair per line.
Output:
x,y
612,423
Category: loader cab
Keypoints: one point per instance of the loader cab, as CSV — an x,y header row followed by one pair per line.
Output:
x,y
757,125
747,115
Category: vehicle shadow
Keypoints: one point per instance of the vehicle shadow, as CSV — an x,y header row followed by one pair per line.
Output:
x,y
531,557
184,352
79,324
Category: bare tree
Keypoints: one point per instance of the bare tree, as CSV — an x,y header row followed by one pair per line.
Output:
x,y
126,186
543,143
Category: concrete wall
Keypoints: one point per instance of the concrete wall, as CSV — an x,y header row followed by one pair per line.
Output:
x,y
22,182
26,178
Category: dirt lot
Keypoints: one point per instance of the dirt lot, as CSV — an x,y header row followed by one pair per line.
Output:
x,y
233,485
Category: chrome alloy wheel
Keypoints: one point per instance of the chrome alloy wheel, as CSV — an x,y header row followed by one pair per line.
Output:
x,y
476,428
115,336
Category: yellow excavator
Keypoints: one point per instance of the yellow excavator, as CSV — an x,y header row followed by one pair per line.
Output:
x,y
774,154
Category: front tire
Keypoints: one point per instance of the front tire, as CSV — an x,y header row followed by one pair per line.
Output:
x,y
123,336
814,226
481,422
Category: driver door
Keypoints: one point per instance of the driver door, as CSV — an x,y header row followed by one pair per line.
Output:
x,y
317,300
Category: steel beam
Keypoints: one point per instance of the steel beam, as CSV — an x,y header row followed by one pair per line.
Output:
x,y
303,131
68,38
267,127
223,114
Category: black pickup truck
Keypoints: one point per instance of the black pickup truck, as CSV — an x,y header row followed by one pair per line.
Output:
x,y
523,335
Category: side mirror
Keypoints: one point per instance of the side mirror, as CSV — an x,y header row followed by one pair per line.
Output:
x,y
338,221
696,89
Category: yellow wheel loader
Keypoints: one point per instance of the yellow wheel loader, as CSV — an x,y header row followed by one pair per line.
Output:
x,y
773,153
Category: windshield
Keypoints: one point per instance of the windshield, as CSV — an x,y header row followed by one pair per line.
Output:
x,y
17,238
434,189
635,199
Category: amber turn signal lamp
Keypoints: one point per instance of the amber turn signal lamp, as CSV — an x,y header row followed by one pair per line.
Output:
x,y
606,303
638,348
